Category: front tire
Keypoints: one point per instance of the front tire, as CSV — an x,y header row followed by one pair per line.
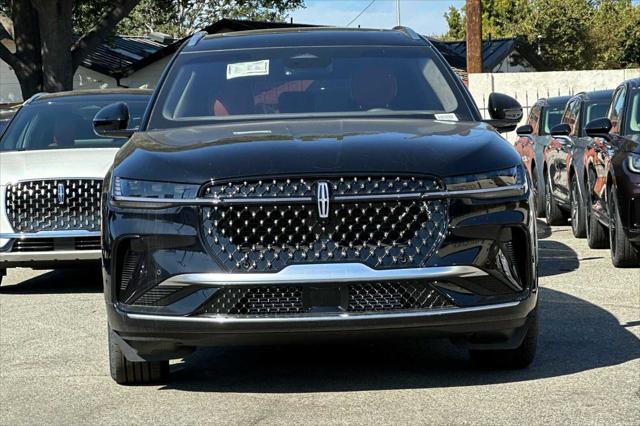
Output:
x,y
623,253
552,211
597,237
125,372
578,226
518,358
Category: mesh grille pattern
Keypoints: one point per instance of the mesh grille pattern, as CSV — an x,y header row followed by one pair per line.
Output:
x,y
155,296
257,301
35,206
375,297
303,187
53,244
380,234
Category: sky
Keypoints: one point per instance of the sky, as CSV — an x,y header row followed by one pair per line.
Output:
x,y
424,16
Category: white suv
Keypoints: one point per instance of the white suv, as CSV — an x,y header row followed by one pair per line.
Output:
x,y
51,169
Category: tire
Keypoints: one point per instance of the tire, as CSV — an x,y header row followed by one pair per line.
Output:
x,y
578,225
623,253
597,237
538,195
125,372
552,211
518,358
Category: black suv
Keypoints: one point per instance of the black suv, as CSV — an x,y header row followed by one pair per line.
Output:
x,y
612,176
287,185
563,160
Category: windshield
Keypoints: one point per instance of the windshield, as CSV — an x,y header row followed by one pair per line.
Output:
x,y
551,117
64,125
254,83
634,115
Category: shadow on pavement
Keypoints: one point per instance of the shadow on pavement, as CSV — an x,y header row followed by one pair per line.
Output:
x,y
575,336
59,281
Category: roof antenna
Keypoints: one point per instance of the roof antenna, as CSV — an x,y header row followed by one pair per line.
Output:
x,y
398,12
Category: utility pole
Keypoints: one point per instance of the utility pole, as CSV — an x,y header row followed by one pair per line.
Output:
x,y
398,12
474,36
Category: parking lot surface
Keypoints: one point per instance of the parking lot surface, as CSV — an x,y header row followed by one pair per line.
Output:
x,y
53,362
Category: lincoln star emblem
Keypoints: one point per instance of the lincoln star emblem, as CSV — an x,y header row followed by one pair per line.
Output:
x,y
323,200
61,193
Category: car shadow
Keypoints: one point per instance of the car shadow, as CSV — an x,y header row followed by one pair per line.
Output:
x,y
59,281
575,336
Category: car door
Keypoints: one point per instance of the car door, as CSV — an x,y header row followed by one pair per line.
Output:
x,y
558,152
525,145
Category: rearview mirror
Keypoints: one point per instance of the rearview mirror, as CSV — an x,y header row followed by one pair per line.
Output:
x,y
505,112
112,121
600,127
562,129
524,130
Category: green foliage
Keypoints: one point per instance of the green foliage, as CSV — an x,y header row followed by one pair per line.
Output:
x,y
569,34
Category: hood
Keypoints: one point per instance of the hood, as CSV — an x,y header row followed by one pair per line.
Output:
x,y
314,147
50,164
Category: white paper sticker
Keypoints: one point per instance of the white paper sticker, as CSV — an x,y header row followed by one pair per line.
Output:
x,y
446,117
247,69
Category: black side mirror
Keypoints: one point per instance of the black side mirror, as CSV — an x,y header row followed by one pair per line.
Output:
x,y
524,130
562,129
505,112
112,121
600,127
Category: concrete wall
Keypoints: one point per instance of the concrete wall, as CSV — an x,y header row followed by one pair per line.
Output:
x,y
527,87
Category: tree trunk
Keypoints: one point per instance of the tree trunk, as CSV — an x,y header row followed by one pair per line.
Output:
x,y
27,61
56,37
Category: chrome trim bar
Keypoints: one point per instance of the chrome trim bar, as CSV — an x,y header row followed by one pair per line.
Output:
x,y
326,317
322,273
51,234
161,203
50,256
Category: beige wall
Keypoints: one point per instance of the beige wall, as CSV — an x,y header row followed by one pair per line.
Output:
x,y
527,87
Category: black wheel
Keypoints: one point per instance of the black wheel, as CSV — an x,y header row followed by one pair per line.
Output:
x,y
538,195
623,253
577,211
519,357
597,237
552,211
125,372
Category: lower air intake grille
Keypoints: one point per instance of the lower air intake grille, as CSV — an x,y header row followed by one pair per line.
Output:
x,y
376,297
257,301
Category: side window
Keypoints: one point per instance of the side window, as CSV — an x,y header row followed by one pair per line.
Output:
x,y
575,116
615,110
534,118
568,117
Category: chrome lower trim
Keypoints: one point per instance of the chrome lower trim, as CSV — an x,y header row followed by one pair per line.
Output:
x,y
321,318
322,273
162,203
51,234
50,256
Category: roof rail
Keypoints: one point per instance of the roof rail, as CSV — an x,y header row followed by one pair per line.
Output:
x,y
408,31
196,38
33,98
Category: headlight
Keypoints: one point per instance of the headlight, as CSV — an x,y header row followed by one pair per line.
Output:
x,y
150,189
634,163
505,178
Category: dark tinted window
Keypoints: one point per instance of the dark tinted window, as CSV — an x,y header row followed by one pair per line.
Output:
x,y
64,124
550,117
596,110
616,108
634,112
306,80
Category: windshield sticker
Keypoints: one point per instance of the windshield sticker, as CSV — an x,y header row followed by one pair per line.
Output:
x,y
446,117
247,69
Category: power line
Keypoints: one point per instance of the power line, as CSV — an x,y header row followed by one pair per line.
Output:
x,y
361,12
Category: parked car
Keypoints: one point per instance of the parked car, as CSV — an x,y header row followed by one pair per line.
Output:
x,y
563,160
52,165
534,137
612,163
292,185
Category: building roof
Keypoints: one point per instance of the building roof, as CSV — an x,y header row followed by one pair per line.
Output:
x,y
493,52
120,55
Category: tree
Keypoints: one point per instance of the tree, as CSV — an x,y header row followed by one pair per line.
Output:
x,y
48,52
500,18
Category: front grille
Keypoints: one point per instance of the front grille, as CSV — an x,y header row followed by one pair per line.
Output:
x,y
53,244
54,205
367,297
381,233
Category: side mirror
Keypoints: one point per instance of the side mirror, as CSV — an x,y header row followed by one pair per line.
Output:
x,y
562,129
600,127
505,112
112,121
524,130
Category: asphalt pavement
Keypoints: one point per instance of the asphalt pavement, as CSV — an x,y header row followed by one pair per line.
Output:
x,y
53,363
